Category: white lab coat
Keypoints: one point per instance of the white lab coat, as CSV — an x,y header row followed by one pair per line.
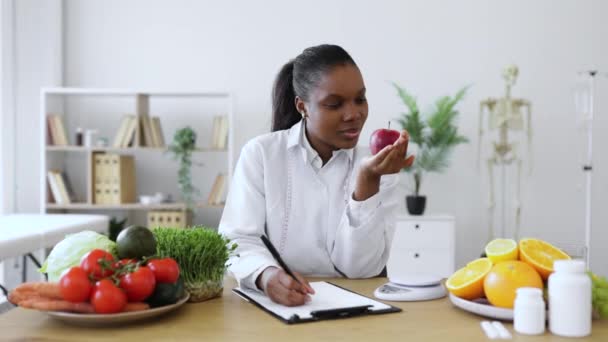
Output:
x,y
307,211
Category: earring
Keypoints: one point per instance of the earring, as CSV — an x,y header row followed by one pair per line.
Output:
x,y
303,115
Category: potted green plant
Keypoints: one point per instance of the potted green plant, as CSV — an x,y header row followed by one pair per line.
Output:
x,y
434,135
201,253
182,147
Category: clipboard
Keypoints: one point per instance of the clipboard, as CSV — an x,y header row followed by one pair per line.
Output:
x,y
330,301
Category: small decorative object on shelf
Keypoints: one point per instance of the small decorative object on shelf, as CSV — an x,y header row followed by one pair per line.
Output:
x,y
184,142
79,136
434,135
169,218
89,137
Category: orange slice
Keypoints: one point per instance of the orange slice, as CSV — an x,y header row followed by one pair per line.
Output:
x,y
540,255
499,250
467,282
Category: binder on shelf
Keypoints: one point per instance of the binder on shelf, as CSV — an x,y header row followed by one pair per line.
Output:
x,y
114,179
330,301
97,178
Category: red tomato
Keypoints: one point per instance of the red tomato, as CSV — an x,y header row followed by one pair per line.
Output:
x,y
165,270
98,264
108,298
75,286
139,284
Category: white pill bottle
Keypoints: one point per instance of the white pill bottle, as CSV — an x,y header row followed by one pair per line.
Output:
x,y
570,299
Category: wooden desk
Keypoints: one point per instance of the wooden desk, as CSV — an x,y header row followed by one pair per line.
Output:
x,y
230,318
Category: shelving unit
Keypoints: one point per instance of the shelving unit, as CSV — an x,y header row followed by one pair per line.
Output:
x,y
103,109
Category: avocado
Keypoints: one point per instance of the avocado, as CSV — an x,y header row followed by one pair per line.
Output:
x,y
167,293
135,242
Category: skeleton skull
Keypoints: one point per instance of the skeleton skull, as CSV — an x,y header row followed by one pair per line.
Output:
x,y
509,73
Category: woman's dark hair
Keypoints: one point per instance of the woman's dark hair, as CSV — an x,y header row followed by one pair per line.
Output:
x,y
298,77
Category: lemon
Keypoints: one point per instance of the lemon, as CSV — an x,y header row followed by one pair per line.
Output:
x,y
467,282
499,250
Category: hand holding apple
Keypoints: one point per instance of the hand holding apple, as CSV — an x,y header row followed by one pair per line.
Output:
x,y
389,148
381,138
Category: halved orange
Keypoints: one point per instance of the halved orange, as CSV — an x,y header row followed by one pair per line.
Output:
x,y
467,282
540,255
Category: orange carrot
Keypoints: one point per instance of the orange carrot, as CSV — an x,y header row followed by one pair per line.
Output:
x,y
44,289
56,305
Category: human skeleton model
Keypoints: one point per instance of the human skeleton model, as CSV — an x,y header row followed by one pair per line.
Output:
x,y
505,114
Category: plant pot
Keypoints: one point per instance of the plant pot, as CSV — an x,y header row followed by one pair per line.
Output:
x,y
204,291
415,204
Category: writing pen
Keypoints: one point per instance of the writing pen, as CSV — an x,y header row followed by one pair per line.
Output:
x,y
277,257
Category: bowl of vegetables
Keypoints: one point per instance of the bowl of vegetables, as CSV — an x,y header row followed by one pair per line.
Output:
x,y
94,281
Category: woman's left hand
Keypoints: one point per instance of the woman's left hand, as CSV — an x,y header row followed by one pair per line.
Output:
x,y
391,159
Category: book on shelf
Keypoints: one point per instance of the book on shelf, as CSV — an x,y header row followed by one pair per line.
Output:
x,y
122,131
58,135
220,132
216,195
151,133
61,189
146,131
126,132
156,128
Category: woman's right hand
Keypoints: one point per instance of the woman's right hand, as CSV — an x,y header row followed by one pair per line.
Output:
x,y
281,288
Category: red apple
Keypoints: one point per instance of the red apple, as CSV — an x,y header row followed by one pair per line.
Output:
x,y
382,137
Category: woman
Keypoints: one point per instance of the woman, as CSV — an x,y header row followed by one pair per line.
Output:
x,y
325,205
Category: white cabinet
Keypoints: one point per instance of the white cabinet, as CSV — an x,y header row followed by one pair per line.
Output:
x,y
422,244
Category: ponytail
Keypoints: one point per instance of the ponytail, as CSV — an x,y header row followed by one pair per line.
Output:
x,y
284,111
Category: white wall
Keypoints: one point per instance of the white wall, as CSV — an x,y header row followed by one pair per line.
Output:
x,y
34,61
38,55
430,47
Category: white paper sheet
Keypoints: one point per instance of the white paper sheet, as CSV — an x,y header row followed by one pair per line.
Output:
x,y
326,297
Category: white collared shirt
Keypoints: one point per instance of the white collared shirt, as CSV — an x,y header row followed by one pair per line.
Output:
x,y
312,156
307,213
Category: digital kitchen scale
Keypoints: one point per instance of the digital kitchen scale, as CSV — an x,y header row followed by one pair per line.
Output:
x,y
411,287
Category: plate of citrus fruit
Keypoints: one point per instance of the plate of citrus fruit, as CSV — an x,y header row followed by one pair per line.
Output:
x,y
487,286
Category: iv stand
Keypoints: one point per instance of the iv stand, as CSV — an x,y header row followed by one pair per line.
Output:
x,y
585,106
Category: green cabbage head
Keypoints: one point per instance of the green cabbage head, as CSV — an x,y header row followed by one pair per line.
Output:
x,y
70,250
